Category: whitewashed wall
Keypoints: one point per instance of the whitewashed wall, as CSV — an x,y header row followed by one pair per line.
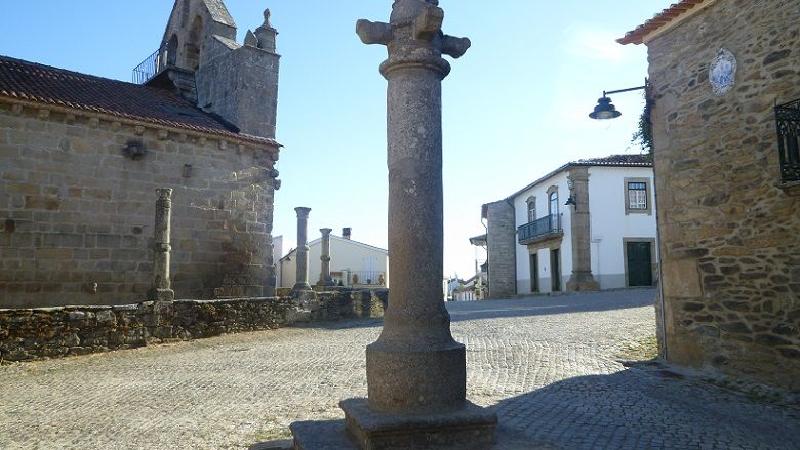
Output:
x,y
523,259
610,225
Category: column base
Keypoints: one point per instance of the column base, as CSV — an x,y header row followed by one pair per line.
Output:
x,y
161,295
582,282
471,427
301,287
427,378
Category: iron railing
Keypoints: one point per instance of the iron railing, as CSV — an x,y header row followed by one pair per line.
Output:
x,y
539,228
787,118
150,67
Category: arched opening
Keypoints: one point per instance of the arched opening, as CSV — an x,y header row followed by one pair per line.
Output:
x,y
554,203
194,45
531,202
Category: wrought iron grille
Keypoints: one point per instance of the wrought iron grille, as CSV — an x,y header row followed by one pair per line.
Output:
x,y
540,227
787,118
150,67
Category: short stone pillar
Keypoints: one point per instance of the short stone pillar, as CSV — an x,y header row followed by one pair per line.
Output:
x,y
580,231
301,259
416,371
160,290
325,259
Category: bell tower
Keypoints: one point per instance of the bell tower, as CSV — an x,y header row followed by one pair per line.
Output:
x,y
200,59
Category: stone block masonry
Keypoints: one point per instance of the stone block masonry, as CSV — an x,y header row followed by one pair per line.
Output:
x,y
501,243
730,235
77,209
28,334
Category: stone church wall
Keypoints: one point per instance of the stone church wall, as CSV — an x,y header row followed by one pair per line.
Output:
x,y
730,238
77,210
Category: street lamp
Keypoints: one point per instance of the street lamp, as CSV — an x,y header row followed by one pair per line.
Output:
x,y
605,109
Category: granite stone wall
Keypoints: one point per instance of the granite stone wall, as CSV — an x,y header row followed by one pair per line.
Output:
x,y
501,242
77,205
730,234
27,334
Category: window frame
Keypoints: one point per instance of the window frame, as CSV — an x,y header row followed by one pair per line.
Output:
x,y
648,209
530,203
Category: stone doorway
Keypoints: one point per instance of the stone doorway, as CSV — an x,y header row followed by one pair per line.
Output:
x,y
638,260
555,268
534,267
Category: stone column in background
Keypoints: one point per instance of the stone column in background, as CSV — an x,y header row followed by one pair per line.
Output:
x,y
161,236
580,231
416,371
325,273
301,259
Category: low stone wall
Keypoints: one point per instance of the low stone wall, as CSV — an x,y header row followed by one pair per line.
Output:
x,y
28,334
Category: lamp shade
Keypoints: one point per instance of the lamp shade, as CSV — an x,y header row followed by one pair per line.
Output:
x,y
604,110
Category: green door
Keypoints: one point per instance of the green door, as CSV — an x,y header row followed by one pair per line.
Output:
x,y
640,268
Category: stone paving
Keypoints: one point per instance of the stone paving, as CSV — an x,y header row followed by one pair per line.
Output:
x,y
548,364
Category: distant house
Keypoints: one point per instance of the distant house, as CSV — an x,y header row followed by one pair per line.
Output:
x,y
352,263
587,225
470,290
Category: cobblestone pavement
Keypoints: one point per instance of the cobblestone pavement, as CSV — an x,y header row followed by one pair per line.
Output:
x,y
547,364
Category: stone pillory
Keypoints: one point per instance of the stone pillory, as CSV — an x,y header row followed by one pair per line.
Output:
x,y
301,260
416,371
161,247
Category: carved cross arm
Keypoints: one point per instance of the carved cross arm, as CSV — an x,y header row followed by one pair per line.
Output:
x,y
455,47
374,32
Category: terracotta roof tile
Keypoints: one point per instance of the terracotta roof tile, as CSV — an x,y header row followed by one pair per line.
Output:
x,y
607,161
616,160
660,20
38,83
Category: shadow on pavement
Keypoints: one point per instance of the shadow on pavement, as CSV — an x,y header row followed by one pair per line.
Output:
x,y
648,408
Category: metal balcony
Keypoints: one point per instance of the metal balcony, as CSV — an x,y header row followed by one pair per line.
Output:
x,y
540,230
150,67
787,117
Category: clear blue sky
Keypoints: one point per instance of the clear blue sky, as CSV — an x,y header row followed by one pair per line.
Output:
x,y
515,106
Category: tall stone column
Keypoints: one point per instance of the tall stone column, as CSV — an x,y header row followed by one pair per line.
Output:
x,y
580,231
325,259
301,259
416,371
161,236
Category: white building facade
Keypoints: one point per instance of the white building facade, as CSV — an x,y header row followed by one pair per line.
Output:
x,y
587,225
352,263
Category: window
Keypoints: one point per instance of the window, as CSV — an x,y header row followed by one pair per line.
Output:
x,y
531,209
554,203
788,123
637,196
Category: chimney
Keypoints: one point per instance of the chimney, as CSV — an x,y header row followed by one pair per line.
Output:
x,y
347,233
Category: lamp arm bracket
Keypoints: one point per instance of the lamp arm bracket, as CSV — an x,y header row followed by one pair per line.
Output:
x,y
605,93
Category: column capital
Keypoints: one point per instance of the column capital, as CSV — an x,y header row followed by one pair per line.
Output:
x,y
302,211
325,231
164,194
414,37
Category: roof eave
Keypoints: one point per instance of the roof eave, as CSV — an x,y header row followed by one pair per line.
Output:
x,y
663,22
